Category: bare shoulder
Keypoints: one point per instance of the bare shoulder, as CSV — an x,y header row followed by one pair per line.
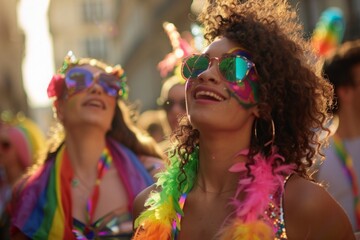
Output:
x,y
140,199
311,213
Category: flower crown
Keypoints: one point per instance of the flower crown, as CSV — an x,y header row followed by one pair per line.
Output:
x,y
56,86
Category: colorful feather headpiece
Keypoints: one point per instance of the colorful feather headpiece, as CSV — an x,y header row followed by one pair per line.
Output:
x,y
329,31
180,48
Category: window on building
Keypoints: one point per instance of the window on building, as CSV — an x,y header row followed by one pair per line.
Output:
x,y
96,47
93,11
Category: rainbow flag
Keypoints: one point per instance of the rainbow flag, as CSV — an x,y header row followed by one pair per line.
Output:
x,y
43,207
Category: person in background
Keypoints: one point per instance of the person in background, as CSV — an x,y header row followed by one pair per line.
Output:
x,y
21,143
172,101
240,165
340,171
162,122
95,167
172,95
154,122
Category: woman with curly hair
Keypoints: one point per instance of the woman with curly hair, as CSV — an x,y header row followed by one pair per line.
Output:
x,y
256,105
86,186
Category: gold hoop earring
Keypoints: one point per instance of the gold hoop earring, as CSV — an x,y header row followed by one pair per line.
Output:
x,y
272,134
271,141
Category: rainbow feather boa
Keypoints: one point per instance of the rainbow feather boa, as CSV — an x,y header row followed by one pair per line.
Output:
x,y
251,222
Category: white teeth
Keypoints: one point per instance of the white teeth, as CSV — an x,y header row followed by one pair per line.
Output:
x,y
210,94
95,103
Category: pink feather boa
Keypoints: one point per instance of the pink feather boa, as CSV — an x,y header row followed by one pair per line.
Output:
x,y
267,177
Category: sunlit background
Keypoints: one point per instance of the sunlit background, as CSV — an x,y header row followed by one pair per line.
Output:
x,y
38,65
35,35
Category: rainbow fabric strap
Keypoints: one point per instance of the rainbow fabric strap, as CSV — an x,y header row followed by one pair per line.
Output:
x,y
43,208
348,169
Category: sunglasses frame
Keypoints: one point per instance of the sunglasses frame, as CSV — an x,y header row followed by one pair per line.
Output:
x,y
94,79
250,65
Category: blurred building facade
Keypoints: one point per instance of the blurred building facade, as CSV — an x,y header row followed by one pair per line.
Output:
x,y
128,32
12,93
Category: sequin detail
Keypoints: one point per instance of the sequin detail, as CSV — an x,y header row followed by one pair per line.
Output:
x,y
114,225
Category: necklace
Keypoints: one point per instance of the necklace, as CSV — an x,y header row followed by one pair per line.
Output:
x,y
78,181
75,182
103,166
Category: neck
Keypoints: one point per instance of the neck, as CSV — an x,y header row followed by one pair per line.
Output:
x,y
217,154
84,151
349,126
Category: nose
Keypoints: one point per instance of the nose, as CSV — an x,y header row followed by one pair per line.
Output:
x,y
96,88
211,74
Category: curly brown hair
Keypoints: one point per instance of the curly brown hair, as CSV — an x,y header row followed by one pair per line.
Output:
x,y
293,94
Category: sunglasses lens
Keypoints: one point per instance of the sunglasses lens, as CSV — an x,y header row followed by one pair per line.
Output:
x,y
78,79
110,84
194,66
233,68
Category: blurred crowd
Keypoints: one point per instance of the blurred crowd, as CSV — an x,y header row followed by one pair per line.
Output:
x,y
50,183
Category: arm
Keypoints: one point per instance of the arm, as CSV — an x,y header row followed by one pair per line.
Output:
x,y
311,213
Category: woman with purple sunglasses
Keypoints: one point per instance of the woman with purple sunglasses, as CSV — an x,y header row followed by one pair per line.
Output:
x,y
86,186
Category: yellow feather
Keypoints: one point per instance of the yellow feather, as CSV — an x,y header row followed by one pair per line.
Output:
x,y
156,223
257,230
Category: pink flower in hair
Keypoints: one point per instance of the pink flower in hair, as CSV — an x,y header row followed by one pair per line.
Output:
x,y
56,86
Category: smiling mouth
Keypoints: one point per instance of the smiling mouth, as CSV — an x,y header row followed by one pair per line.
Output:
x,y
207,95
95,103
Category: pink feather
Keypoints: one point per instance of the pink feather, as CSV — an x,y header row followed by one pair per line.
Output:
x,y
267,177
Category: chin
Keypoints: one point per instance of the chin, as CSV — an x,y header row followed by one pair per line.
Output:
x,y
97,121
